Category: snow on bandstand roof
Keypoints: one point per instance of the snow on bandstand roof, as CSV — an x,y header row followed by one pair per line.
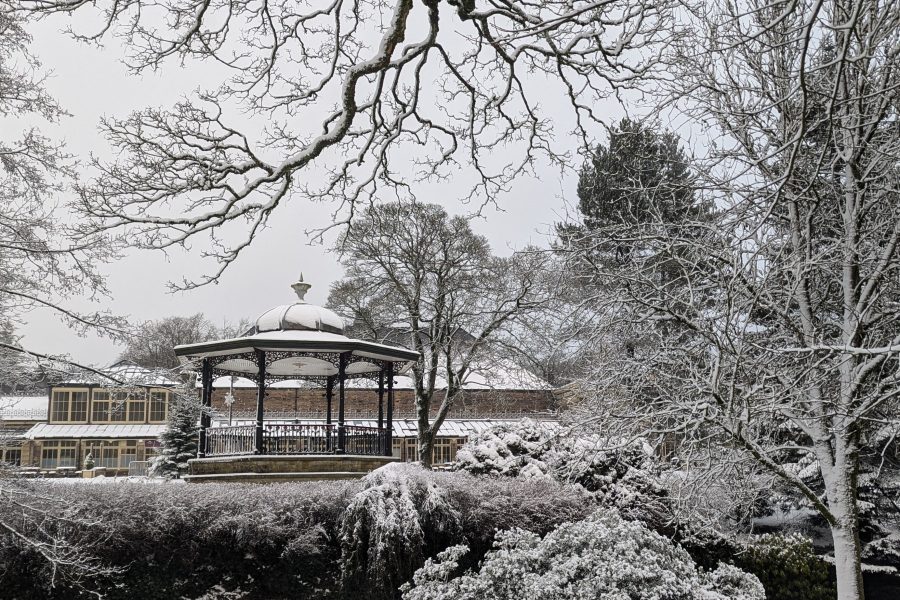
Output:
x,y
299,331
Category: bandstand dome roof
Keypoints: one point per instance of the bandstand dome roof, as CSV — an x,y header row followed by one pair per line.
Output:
x,y
299,316
303,341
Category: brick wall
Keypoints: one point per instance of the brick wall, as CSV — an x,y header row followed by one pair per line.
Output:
x,y
364,402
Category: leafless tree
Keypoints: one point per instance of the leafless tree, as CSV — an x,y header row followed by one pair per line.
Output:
x,y
39,267
790,295
151,344
350,93
416,275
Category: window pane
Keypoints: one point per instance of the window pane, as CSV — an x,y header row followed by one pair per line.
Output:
x,y
13,457
66,457
110,457
79,406
100,411
158,406
59,410
48,458
136,410
117,407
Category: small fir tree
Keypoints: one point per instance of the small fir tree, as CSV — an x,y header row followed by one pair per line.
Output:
x,y
178,441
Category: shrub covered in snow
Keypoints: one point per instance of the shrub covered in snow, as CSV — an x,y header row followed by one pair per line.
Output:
x,y
604,556
787,567
268,542
406,514
400,517
186,541
617,478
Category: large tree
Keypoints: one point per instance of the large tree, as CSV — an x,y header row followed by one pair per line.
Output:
x,y
415,274
640,174
151,344
41,267
793,354
347,95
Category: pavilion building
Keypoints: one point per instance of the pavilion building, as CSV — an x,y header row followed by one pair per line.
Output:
x,y
116,423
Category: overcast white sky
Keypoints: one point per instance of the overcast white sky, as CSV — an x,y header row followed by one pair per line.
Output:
x,y
91,82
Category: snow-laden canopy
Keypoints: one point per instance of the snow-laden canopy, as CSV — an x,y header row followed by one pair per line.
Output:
x,y
302,341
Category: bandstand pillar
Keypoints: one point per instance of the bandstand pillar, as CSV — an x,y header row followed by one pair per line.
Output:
x,y
380,399
342,376
205,403
260,399
329,395
389,429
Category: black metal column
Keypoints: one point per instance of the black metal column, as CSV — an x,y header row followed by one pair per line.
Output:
x,y
389,428
205,403
260,399
381,408
329,395
342,376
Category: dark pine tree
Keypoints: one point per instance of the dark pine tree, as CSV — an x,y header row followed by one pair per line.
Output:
x,y
642,176
178,441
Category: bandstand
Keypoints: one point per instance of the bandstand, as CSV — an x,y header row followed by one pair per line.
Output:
x,y
304,342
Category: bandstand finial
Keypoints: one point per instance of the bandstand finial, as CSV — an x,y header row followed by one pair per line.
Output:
x,y
300,288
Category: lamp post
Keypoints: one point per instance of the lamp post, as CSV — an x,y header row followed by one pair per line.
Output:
x,y
229,400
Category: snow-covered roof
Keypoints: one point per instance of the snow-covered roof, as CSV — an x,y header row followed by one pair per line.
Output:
x,y
293,340
406,428
47,431
23,407
502,374
127,373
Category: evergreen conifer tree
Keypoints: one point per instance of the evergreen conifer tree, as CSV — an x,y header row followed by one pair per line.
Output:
x,y
178,441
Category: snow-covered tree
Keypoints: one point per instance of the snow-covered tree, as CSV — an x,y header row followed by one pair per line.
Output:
x,y
351,92
44,263
604,556
619,478
792,357
413,274
178,442
151,344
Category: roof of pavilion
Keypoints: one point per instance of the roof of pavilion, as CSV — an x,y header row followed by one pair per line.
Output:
x,y
303,342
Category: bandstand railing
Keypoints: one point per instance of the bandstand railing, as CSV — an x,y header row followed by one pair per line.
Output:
x,y
296,438
228,441
363,440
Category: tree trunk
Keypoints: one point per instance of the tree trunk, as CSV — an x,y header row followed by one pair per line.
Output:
x,y
425,439
841,493
847,563
426,443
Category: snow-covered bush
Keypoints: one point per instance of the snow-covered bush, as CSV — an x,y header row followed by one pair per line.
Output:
x,y
604,556
787,567
262,542
389,528
617,478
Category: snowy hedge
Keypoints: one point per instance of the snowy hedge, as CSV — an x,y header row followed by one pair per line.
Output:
x,y
617,478
604,556
291,540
